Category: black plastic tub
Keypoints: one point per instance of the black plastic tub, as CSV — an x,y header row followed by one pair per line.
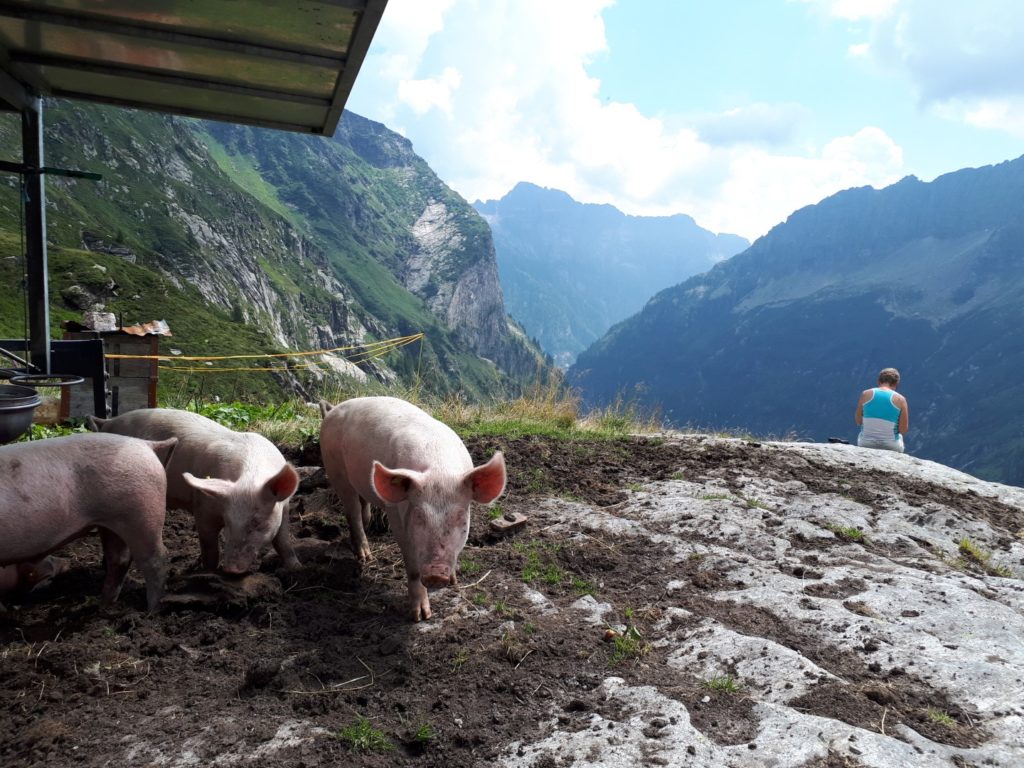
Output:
x,y
16,406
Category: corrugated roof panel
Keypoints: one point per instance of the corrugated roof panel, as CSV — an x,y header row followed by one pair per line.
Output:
x,y
279,63
199,102
301,24
41,43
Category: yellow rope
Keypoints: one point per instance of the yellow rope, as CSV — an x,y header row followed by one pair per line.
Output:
x,y
370,351
373,345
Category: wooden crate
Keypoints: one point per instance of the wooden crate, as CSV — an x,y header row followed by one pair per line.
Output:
x,y
131,384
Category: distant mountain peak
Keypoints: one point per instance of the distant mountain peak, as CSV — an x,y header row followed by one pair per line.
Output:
x,y
570,270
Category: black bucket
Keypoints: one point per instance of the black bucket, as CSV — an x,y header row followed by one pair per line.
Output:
x,y
16,406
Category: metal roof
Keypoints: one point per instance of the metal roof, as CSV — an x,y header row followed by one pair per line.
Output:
x,y
287,64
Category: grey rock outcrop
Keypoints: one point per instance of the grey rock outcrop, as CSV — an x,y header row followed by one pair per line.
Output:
x,y
853,618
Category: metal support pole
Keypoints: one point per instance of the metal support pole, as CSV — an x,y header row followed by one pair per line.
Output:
x,y
35,236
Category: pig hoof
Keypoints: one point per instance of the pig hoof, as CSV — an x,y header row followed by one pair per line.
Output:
x,y
364,556
421,610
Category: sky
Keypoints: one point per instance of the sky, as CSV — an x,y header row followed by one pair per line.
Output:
x,y
735,112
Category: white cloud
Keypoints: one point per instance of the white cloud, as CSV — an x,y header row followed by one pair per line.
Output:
x,y
496,92
855,10
756,123
963,59
761,189
1006,115
430,93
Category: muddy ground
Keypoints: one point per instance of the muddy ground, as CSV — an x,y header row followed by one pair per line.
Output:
x,y
323,667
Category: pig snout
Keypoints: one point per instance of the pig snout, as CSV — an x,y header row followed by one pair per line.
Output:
x,y
436,575
38,573
238,565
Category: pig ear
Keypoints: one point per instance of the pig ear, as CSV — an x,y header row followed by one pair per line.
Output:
x,y
393,485
95,423
284,483
163,448
488,480
211,486
325,408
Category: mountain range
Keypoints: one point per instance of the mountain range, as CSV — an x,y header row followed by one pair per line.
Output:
x,y
248,241
782,338
571,270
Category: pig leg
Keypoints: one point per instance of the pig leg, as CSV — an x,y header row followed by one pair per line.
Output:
x,y
208,527
419,600
147,548
116,559
154,571
10,578
354,512
283,544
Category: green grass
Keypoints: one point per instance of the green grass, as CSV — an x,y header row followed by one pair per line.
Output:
x,y
583,587
547,409
940,717
848,533
715,497
539,565
628,645
973,554
723,684
469,567
360,736
424,734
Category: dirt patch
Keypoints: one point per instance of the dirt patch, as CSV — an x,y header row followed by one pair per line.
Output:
x,y
837,589
866,695
289,666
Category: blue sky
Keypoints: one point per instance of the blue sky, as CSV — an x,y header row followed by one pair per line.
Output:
x,y
736,112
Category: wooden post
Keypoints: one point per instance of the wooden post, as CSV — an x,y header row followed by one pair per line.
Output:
x,y
35,235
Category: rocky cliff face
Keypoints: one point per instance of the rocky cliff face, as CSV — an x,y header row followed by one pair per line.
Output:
x,y
316,243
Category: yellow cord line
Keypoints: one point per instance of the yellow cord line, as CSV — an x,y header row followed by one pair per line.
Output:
x,y
379,350
372,346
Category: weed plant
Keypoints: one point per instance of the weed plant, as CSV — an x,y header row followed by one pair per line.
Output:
x,y
363,737
723,684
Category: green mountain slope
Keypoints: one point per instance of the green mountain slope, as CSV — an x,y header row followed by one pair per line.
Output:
x,y
271,241
783,337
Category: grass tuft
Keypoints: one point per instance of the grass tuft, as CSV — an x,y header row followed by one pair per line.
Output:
x,y
363,737
723,684
940,717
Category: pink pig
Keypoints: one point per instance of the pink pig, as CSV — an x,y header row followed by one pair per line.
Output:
x,y
54,491
236,481
387,452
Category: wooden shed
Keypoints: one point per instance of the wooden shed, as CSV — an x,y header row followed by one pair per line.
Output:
x,y
131,384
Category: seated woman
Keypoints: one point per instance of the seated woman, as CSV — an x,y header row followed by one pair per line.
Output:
x,y
882,414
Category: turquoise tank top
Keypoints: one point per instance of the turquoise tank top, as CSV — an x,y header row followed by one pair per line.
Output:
x,y
881,417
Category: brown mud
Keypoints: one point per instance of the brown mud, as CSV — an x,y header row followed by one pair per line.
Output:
x,y
301,659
